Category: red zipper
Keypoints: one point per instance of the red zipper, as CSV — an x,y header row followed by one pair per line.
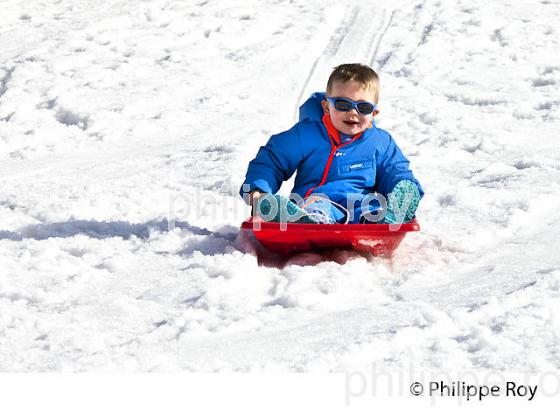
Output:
x,y
333,134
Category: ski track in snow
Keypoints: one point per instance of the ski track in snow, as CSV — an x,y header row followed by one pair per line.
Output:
x,y
125,131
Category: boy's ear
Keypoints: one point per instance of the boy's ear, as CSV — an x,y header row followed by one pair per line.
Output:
x,y
373,114
325,105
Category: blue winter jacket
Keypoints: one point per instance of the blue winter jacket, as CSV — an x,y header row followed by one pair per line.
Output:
x,y
371,163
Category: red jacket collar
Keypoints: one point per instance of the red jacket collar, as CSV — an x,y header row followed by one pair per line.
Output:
x,y
334,133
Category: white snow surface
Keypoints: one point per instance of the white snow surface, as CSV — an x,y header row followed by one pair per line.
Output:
x,y
118,118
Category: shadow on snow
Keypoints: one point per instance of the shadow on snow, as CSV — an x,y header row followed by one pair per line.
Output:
x,y
203,240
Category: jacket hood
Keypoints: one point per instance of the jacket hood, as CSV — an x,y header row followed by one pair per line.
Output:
x,y
312,110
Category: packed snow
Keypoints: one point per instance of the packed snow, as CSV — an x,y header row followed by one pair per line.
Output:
x,y
125,132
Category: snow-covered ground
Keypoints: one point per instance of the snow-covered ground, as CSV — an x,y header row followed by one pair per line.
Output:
x,y
118,119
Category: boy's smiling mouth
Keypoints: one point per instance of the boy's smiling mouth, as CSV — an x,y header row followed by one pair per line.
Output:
x,y
349,122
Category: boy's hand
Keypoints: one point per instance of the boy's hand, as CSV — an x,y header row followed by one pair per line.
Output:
x,y
253,199
254,196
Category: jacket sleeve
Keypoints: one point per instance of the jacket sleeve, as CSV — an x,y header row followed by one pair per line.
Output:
x,y
392,167
275,162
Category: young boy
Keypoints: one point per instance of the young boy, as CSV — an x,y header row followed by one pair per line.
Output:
x,y
348,170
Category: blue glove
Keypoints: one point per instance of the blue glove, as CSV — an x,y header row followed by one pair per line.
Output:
x,y
284,208
404,194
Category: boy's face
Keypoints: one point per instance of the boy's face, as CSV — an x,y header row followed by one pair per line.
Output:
x,y
350,122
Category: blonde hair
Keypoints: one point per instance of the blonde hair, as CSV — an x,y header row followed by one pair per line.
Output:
x,y
360,73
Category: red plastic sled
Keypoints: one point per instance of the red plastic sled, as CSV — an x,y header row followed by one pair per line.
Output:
x,y
378,239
